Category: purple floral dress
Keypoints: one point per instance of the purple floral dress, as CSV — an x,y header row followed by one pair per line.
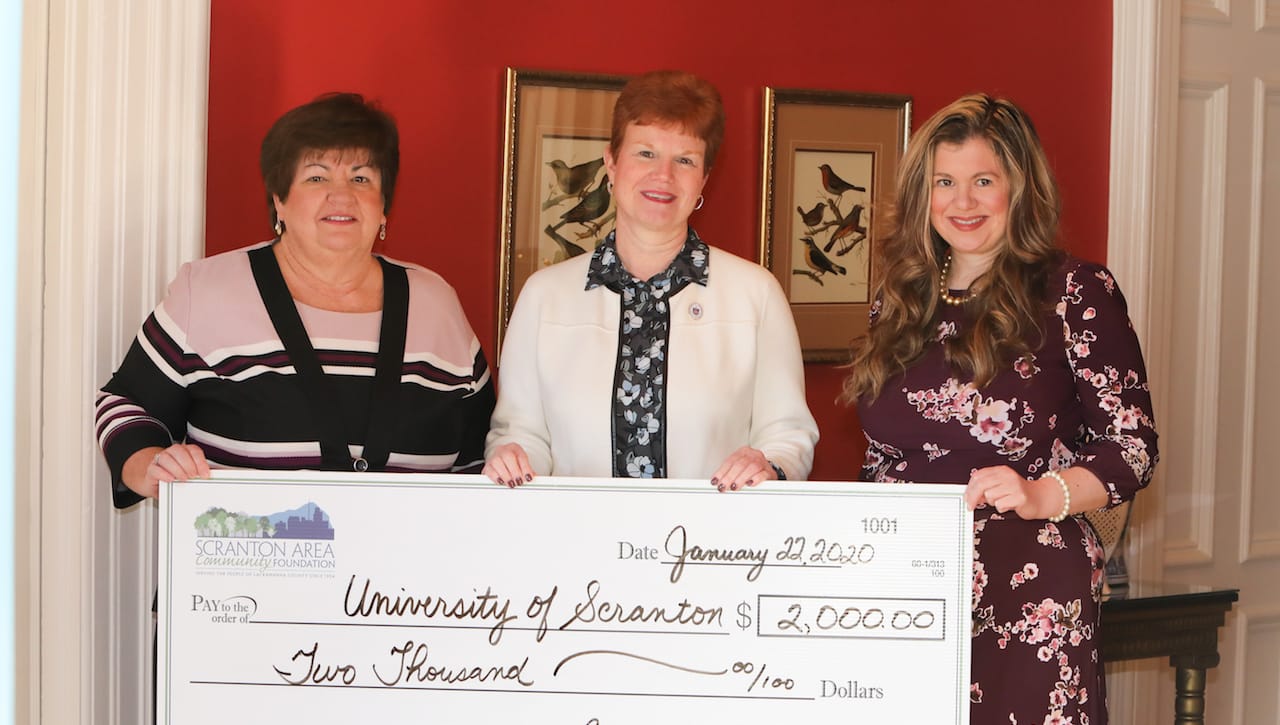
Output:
x,y
1081,399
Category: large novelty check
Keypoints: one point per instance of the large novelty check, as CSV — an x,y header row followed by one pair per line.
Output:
x,y
331,598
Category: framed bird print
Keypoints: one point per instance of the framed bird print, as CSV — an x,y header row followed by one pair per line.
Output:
x,y
829,164
556,203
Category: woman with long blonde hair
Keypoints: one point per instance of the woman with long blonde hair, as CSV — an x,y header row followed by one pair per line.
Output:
x,y
996,361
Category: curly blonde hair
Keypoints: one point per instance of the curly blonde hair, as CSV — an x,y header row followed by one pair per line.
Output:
x,y
1004,315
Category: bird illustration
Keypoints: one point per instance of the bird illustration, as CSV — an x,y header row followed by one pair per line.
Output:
x,y
574,180
568,249
844,231
813,217
818,261
836,185
592,207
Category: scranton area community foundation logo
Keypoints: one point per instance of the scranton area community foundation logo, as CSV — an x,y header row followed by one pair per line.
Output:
x,y
299,542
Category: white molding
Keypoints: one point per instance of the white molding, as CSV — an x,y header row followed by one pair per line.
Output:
x,y
1210,12
1143,128
1213,94
1247,620
114,106
1145,49
1189,552
1253,546
1266,15
31,200
1132,155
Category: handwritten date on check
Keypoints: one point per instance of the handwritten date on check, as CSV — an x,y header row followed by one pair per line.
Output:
x,y
448,599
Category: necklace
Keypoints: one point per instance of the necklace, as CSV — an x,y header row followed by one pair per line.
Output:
x,y
945,293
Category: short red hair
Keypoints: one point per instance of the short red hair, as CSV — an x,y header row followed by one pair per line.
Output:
x,y
671,97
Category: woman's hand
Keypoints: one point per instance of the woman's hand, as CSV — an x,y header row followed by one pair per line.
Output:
x,y
744,467
509,466
146,468
1003,488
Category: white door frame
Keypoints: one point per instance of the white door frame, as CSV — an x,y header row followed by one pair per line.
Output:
x,y
113,119
1145,39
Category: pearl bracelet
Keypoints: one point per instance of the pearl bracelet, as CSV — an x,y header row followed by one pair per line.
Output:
x,y
1066,495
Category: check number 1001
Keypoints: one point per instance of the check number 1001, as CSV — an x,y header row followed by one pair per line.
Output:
x,y
861,617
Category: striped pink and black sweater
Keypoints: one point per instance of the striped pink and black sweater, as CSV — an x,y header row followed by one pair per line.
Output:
x,y
207,367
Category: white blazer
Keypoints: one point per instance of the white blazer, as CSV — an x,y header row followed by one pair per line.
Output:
x,y
735,375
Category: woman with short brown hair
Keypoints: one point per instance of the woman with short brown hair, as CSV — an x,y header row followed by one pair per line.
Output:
x,y
308,351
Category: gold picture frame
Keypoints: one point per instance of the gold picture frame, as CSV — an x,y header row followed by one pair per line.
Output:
x,y
555,203
829,162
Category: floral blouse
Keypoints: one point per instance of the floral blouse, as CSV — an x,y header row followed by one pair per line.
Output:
x,y
640,380
1080,399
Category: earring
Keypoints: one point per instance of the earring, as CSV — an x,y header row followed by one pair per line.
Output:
x,y
699,204
382,232
279,227
608,184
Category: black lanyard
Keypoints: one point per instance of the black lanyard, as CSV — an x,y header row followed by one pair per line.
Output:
x,y
318,388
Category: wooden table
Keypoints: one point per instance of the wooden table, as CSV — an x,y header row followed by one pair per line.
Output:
x,y
1181,626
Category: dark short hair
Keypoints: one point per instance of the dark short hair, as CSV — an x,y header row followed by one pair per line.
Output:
x,y
671,97
332,122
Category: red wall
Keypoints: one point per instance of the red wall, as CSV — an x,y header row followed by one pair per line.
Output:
x,y
438,67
